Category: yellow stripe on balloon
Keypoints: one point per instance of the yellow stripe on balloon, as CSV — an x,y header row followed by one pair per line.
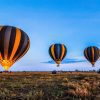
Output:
x,y
92,54
52,51
63,51
16,44
86,54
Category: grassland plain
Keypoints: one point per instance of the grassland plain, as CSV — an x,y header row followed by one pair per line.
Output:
x,y
48,86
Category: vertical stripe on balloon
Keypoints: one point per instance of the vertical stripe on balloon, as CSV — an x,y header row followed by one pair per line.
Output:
x,y
52,52
16,44
6,41
63,51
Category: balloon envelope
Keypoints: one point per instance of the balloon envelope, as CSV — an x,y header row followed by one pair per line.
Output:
x,y
14,43
92,54
57,52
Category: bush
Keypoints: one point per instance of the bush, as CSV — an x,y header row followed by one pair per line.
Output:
x,y
54,72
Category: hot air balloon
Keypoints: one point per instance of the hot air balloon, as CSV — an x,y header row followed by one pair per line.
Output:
x,y
57,52
92,54
14,43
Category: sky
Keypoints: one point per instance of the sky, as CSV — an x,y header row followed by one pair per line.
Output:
x,y
75,23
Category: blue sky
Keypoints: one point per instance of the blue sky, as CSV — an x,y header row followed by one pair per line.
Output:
x,y
76,23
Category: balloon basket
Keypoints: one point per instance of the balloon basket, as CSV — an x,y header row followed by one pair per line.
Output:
x,y
58,65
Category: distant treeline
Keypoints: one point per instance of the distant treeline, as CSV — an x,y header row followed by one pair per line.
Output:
x,y
53,72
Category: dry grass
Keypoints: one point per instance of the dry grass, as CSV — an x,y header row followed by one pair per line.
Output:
x,y
46,86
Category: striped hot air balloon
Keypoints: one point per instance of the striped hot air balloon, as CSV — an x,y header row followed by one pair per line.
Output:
x,y
92,54
14,43
57,52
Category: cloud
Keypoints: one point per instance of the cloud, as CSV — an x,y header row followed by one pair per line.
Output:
x,y
67,61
